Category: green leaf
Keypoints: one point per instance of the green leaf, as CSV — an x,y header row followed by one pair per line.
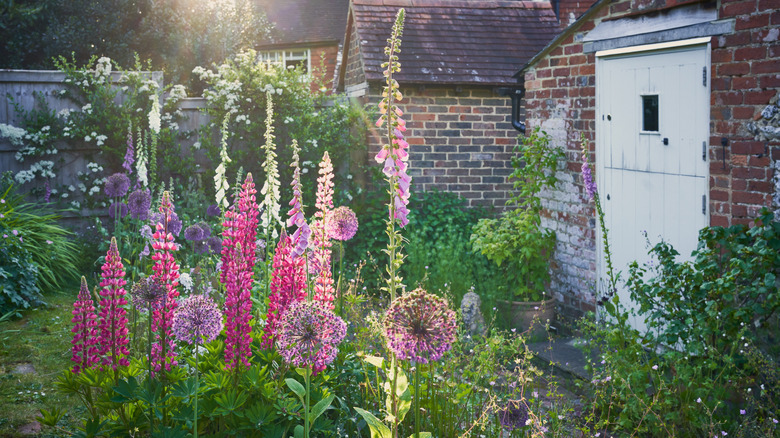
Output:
x,y
421,435
403,395
378,429
298,431
374,360
296,387
126,390
320,408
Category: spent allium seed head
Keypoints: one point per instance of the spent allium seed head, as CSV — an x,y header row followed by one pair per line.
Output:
x,y
197,319
420,326
341,224
309,335
117,185
514,415
84,344
148,292
117,209
139,202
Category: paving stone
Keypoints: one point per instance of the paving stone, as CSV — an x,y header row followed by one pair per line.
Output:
x,y
563,352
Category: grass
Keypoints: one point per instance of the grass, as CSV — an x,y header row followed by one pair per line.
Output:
x,y
41,339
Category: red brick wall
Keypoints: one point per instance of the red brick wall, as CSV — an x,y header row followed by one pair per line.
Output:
x,y
354,73
323,65
560,97
460,141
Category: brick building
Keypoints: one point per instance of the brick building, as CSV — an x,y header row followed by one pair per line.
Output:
x,y
307,33
678,102
457,62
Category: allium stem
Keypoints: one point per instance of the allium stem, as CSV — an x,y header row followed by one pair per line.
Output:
x,y
149,358
338,285
306,426
417,400
195,413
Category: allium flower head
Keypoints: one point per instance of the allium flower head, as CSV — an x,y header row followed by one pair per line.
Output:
x,y
148,292
309,335
197,319
117,185
215,244
117,209
341,224
420,326
84,344
514,415
139,202
194,233
213,210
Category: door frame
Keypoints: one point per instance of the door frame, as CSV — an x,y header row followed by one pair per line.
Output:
x,y
659,48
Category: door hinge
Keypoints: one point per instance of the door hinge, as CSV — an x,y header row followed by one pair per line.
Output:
x,y
704,76
703,204
704,151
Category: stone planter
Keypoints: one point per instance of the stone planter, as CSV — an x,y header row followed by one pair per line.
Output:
x,y
520,314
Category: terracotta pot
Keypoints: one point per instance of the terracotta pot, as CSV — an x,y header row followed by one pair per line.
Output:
x,y
520,314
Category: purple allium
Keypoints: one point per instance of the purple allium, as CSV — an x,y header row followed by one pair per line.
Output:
x,y
514,415
213,210
147,292
587,177
194,233
139,202
117,185
420,326
341,224
200,247
309,335
197,319
206,230
215,244
117,207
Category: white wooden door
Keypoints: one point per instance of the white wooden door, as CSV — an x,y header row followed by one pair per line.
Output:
x,y
652,131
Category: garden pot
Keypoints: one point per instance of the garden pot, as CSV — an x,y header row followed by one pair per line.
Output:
x,y
520,314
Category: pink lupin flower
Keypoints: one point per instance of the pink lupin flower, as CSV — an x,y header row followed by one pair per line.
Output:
x,y
296,218
238,310
321,260
84,343
113,323
167,271
288,285
240,226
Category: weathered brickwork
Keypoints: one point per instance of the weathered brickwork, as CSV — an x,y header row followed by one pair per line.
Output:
x,y
323,64
560,97
460,141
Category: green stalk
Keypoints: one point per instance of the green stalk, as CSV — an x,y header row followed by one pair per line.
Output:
x,y
341,271
195,414
416,400
149,358
306,427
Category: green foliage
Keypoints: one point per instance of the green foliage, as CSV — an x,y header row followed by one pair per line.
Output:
x,y
516,237
710,350
240,86
35,252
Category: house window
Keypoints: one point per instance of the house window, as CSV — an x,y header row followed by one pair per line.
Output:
x,y
288,58
650,113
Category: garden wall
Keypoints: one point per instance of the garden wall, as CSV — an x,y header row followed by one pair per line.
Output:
x,y
560,97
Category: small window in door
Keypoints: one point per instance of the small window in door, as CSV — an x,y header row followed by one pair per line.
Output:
x,y
650,113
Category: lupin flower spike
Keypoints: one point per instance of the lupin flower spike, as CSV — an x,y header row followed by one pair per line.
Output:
x,y
166,271
288,285
84,344
113,323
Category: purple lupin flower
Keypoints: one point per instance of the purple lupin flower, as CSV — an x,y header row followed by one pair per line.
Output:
x,y
420,326
117,185
197,319
309,335
341,224
139,202
113,323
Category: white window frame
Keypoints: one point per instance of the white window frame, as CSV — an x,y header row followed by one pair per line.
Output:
x,y
281,57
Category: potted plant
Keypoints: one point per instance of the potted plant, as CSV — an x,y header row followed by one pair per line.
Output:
x,y
516,240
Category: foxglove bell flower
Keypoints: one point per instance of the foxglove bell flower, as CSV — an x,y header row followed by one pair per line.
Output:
x,y
309,335
84,345
420,326
197,320
127,164
270,191
221,185
113,322
296,218
587,178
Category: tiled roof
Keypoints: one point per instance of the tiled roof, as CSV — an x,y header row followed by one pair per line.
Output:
x,y
454,42
306,21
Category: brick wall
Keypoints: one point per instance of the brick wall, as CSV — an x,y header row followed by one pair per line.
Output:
x,y
460,141
354,73
323,65
560,97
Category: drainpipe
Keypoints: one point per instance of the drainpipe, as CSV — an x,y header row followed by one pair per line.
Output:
x,y
515,94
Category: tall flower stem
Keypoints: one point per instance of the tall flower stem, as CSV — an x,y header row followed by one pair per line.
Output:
x,y
195,414
417,400
149,357
306,426
338,284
